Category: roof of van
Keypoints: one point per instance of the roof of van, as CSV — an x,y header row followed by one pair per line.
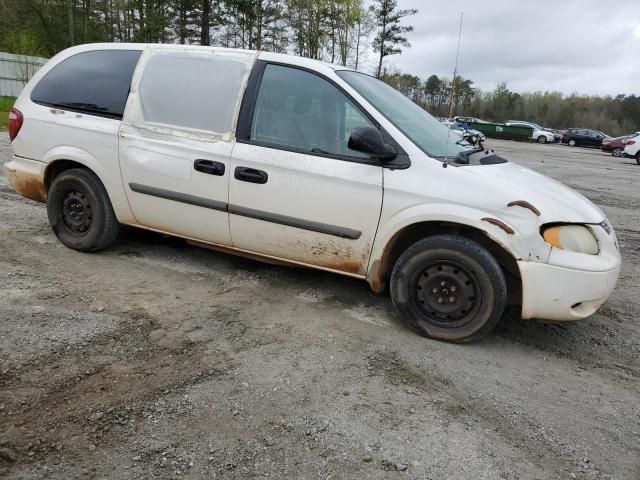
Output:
x,y
276,57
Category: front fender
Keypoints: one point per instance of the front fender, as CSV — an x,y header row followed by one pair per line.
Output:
x,y
522,240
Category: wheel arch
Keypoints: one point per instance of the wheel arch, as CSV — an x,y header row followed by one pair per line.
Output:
x,y
380,270
62,158
58,166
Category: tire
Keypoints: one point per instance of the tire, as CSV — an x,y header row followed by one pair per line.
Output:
x,y
426,277
617,152
80,212
571,143
638,158
542,139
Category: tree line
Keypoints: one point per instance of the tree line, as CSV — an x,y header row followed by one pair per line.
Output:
x,y
615,115
338,31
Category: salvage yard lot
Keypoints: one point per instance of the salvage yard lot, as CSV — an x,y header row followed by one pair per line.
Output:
x,y
155,359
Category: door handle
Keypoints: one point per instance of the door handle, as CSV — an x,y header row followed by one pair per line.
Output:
x,y
209,167
251,175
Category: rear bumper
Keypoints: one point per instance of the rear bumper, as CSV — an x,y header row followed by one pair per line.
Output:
x,y
27,178
558,293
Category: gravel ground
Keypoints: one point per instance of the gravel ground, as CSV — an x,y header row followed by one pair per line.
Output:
x,y
155,359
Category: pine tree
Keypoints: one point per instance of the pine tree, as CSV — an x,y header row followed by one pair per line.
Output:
x,y
390,35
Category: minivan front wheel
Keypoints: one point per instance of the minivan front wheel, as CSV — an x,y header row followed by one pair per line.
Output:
x,y
572,143
80,212
449,288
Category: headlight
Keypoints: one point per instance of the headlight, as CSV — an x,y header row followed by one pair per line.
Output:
x,y
575,238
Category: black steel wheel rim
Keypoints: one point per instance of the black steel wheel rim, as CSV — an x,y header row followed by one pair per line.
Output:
x,y
446,294
76,212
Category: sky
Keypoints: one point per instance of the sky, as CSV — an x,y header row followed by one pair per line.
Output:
x,y
582,46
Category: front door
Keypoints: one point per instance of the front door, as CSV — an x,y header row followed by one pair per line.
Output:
x,y
297,192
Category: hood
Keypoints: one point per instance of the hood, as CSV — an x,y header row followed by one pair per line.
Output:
x,y
556,201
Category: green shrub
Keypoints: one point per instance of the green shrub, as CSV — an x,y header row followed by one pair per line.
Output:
x,y
6,103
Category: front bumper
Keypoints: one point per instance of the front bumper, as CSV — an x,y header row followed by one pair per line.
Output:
x,y
571,285
558,293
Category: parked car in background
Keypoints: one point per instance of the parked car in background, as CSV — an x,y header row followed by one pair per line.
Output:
x,y
583,137
615,146
464,131
557,134
463,119
539,134
632,148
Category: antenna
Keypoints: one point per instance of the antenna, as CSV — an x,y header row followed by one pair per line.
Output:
x,y
453,91
455,69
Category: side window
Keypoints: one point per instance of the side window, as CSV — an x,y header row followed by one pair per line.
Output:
x,y
192,90
95,82
299,110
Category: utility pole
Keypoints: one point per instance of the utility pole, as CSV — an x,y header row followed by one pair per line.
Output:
x,y
455,70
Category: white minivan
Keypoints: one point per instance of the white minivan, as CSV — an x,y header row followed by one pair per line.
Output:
x,y
317,165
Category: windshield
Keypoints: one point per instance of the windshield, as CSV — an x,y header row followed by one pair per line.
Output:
x,y
431,136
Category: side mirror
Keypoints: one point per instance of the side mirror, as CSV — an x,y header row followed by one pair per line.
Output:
x,y
369,140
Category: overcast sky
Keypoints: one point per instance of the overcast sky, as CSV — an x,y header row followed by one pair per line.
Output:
x,y
584,46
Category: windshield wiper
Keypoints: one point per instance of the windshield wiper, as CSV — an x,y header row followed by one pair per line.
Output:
x,y
463,157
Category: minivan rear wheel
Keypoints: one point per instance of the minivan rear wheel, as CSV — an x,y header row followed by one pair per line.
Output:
x,y
449,288
80,212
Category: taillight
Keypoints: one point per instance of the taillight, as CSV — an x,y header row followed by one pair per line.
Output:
x,y
15,123
631,142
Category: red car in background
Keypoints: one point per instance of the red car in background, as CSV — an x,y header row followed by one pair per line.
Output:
x,y
615,146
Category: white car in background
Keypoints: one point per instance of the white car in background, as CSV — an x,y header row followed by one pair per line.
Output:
x,y
539,134
469,134
632,148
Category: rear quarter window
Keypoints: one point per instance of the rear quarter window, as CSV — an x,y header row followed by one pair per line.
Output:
x,y
95,82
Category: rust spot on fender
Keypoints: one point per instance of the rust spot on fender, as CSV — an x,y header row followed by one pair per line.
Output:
x,y
28,185
524,204
500,224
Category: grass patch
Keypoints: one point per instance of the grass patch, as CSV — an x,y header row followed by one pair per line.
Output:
x,y
5,106
6,103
